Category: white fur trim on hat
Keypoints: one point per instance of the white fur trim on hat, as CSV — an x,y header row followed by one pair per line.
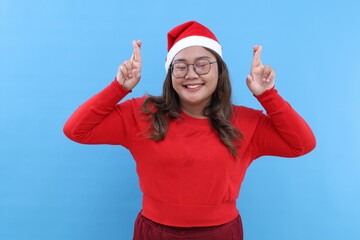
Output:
x,y
189,42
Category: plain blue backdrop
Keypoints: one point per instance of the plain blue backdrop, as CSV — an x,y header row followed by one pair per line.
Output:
x,y
54,55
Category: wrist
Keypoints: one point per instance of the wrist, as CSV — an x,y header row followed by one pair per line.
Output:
x,y
265,92
121,86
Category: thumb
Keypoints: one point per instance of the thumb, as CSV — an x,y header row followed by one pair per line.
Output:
x,y
249,80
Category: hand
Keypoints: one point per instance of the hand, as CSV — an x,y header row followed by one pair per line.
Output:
x,y
129,72
261,77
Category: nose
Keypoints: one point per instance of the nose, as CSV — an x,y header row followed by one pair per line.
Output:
x,y
191,74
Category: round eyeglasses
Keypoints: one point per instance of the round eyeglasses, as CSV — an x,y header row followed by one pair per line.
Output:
x,y
201,67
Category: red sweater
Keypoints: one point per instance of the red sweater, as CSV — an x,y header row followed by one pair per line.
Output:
x,y
190,178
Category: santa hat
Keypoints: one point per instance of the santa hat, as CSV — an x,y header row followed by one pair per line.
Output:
x,y
190,34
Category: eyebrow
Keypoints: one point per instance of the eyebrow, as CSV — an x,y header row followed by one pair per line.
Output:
x,y
184,60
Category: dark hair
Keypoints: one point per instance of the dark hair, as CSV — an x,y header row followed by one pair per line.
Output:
x,y
219,111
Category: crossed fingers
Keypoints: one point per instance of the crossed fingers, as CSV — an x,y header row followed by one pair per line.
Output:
x,y
128,67
266,73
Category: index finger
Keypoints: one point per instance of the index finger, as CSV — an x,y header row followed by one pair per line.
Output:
x,y
136,55
256,59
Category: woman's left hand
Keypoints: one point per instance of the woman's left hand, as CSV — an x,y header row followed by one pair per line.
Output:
x,y
261,77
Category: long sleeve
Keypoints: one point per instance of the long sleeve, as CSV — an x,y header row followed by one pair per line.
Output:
x,y
100,120
282,132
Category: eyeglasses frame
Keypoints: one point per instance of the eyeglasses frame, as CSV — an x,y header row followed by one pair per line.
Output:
x,y
187,68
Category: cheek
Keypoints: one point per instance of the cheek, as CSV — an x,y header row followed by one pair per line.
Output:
x,y
214,81
214,75
175,84
215,84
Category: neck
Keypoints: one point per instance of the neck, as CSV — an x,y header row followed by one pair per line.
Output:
x,y
196,111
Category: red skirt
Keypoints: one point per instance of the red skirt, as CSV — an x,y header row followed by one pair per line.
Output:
x,y
146,229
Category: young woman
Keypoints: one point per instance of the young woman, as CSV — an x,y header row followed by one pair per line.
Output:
x,y
191,145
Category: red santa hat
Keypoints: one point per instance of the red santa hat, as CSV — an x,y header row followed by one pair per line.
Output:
x,y
190,34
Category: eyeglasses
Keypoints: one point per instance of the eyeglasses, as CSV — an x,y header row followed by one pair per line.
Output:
x,y
201,67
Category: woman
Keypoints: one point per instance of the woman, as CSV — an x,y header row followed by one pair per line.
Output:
x,y
191,145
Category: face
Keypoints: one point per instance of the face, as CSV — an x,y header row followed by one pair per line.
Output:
x,y
194,89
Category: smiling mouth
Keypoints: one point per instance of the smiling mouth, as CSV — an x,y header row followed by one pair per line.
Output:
x,y
191,86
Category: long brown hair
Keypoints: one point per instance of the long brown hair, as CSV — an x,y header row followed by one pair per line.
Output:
x,y
219,111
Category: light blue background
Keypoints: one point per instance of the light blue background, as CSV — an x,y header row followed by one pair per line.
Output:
x,y
54,55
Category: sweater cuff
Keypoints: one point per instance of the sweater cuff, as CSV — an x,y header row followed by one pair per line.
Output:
x,y
113,93
120,87
271,100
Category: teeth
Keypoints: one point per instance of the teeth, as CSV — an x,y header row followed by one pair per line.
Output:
x,y
192,86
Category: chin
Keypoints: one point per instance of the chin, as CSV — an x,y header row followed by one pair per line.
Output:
x,y
195,101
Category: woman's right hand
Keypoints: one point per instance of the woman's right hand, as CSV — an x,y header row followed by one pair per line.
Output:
x,y
129,72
